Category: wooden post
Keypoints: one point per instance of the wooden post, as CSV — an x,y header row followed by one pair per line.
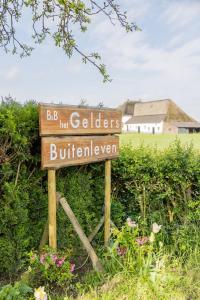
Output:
x,y
52,208
107,201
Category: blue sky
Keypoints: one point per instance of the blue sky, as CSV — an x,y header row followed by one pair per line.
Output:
x,y
162,61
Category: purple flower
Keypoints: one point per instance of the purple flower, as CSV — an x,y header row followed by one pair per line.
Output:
x,y
141,240
42,258
60,262
121,250
72,268
54,258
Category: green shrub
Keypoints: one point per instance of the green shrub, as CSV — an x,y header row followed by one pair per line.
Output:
x,y
147,185
50,268
20,291
132,252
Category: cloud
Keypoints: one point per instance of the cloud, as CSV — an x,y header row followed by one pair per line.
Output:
x,y
10,74
136,52
179,14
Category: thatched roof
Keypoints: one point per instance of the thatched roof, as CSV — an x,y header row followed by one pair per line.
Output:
x,y
156,108
146,119
127,108
162,107
187,124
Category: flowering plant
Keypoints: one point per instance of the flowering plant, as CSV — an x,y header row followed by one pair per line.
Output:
x,y
133,251
51,267
40,294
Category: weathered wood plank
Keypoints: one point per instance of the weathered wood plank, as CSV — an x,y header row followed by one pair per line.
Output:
x,y
68,151
73,120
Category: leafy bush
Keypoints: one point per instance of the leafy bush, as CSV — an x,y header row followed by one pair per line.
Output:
x,y
20,291
147,185
50,267
132,252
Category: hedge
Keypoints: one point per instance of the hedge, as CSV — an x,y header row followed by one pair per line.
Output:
x,y
147,185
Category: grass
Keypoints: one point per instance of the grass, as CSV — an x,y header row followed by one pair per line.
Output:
x,y
159,141
174,282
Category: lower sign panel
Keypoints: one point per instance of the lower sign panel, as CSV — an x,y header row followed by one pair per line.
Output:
x,y
69,151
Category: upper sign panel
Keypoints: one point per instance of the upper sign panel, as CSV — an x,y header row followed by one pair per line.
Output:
x,y
73,120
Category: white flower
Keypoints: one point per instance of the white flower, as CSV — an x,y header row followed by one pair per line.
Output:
x,y
131,223
40,294
152,237
156,228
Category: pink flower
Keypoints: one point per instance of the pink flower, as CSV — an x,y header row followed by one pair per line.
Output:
x,y
121,250
60,262
141,240
33,257
42,258
72,268
54,258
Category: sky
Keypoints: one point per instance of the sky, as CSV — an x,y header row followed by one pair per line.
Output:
x,y
160,62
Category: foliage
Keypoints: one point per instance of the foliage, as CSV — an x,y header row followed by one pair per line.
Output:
x,y
161,187
133,252
147,185
59,20
50,268
20,291
179,284
141,268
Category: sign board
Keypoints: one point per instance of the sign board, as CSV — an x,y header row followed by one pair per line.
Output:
x,y
73,120
59,152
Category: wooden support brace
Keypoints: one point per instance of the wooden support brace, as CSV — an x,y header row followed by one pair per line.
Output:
x,y
94,258
96,230
45,234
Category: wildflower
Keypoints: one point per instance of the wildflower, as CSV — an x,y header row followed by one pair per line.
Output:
x,y
40,294
141,240
33,258
156,228
72,268
152,237
54,258
131,223
42,258
60,262
121,250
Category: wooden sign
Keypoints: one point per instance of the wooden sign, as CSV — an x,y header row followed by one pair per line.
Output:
x,y
67,151
73,120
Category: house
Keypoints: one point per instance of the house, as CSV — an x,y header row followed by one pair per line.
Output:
x,y
127,109
161,116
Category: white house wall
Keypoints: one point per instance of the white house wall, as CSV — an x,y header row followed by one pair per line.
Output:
x,y
125,118
145,127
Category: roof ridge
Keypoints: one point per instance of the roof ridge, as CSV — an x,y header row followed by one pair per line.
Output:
x,y
159,100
